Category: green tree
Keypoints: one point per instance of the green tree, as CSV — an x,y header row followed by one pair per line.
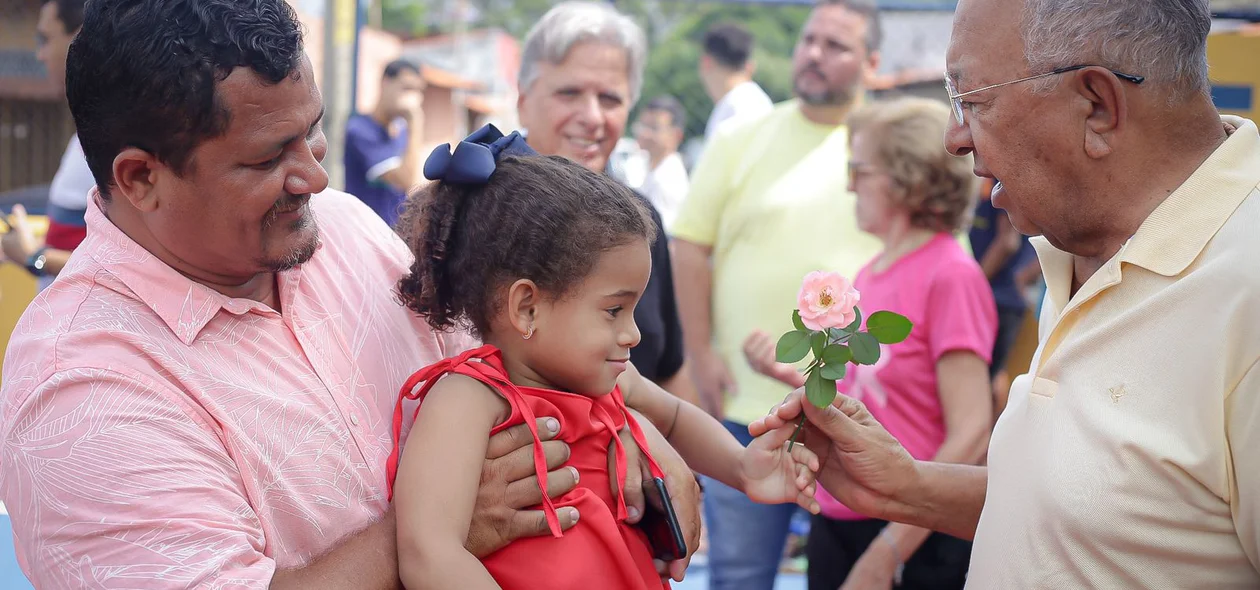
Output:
x,y
404,17
674,60
513,16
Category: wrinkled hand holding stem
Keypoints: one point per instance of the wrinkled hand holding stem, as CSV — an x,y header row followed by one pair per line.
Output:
x,y
861,464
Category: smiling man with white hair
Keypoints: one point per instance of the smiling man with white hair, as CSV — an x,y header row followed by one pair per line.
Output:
x,y
581,73
1128,456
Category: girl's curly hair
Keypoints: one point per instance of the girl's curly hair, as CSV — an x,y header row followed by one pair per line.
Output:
x,y
541,218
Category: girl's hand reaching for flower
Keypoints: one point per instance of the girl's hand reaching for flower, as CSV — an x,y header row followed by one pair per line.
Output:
x,y
774,472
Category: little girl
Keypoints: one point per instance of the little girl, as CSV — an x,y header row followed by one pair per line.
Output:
x,y
544,261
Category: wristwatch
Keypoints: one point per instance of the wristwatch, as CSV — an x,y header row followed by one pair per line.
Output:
x,y
36,262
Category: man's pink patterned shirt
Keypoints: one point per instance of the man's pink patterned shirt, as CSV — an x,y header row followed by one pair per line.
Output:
x,y
155,433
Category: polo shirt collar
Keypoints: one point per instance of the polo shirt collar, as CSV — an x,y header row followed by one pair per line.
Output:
x,y
1174,235
184,305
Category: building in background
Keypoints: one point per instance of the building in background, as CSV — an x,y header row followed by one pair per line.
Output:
x,y
489,57
1232,50
35,123
912,56
454,103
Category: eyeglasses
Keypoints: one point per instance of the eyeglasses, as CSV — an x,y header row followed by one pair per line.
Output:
x,y
859,170
862,168
956,105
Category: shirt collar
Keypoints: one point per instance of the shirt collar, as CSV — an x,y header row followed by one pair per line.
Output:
x,y
184,305
738,90
1179,229
1174,235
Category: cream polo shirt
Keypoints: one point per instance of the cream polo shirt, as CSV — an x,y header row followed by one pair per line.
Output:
x,y
1129,457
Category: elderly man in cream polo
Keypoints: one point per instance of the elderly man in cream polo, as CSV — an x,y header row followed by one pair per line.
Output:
x,y
1129,456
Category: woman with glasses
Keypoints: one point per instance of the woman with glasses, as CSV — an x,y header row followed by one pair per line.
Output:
x,y
931,391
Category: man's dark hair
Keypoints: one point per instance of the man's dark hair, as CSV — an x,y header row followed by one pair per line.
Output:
x,y
669,104
70,13
541,218
143,73
730,44
398,66
868,9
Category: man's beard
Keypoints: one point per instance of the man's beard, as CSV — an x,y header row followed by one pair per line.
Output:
x,y
297,256
304,251
828,97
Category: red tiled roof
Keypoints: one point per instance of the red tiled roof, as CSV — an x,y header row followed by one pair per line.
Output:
x,y
444,79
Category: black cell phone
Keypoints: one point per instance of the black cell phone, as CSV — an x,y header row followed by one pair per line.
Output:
x,y
661,523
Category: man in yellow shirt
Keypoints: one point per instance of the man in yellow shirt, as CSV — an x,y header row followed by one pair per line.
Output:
x,y
1129,456
768,204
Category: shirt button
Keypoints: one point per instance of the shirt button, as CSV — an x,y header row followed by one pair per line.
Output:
x,y
354,419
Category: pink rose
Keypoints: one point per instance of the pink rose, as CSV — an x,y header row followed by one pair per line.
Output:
x,y
826,301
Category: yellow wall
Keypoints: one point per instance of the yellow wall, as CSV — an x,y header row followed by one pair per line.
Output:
x,y
1234,61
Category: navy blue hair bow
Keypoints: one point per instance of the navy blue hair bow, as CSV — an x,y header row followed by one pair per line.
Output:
x,y
473,160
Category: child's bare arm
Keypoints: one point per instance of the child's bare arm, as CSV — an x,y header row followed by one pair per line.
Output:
x,y
765,470
436,487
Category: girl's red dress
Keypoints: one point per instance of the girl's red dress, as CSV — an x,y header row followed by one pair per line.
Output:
x,y
601,551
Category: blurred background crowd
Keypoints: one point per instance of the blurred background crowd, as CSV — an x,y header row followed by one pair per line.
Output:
x,y
706,133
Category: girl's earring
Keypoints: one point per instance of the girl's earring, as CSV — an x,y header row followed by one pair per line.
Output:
x,y
530,333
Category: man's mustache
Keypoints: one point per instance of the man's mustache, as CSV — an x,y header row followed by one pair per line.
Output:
x,y
286,204
810,69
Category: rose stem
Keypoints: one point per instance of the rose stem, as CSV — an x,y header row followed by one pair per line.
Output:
x,y
799,424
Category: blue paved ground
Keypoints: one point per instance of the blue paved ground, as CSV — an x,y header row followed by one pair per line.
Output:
x,y
11,577
698,578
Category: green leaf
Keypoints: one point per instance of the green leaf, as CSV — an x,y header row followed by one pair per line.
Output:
x,y
834,372
796,321
857,322
817,341
888,327
837,354
865,348
829,386
818,390
792,347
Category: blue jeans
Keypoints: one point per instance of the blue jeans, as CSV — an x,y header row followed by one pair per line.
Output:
x,y
746,539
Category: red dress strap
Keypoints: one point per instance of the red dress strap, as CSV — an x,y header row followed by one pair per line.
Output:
x,y
492,373
636,432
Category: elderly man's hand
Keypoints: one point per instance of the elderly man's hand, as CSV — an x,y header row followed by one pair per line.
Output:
x,y
862,465
509,485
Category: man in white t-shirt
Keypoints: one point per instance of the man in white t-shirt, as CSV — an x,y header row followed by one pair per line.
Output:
x,y
726,69
59,21
659,130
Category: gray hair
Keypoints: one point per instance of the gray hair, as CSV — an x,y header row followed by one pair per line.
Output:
x,y
570,23
1163,40
868,9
